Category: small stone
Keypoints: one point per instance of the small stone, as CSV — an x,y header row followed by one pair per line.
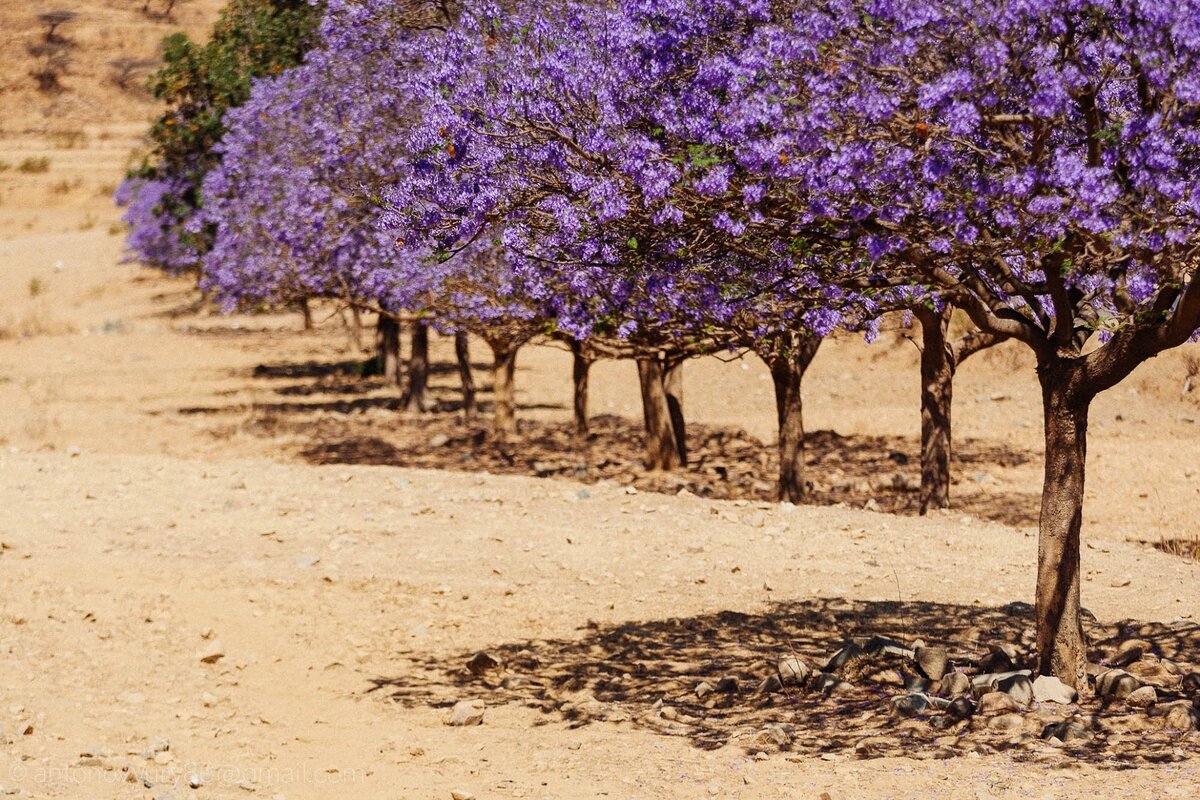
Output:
x,y
1181,717
1116,684
482,663
792,671
194,781
213,653
466,712
997,703
1006,723
827,684
439,440
1066,731
850,652
160,745
1019,688
955,684
1129,651
1143,697
247,786
208,699
932,661
459,794
961,708
1153,672
165,757
728,684
774,735
909,705
770,685
703,689
1048,689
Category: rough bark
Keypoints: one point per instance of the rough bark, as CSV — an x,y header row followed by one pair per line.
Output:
x,y
788,365
504,404
938,364
415,399
673,388
1061,647
580,370
387,345
462,354
661,450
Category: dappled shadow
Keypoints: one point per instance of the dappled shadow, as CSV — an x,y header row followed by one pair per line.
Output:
x,y
647,673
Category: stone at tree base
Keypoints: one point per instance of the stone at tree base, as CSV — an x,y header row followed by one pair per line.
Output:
x,y
1145,697
1048,689
851,652
987,681
1019,688
997,703
1182,717
909,705
827,684
770,685
466,712
961,708
1116,684
1066,731
1153,672
1129,651
955,684
482,663
932,661
792,671
728,684
1006,723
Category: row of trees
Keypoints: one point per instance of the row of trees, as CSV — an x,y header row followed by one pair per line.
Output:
x,y
660,179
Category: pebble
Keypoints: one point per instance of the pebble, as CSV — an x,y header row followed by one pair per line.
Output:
x,y
955,684
997,703
466,712
194,781
1006,723
1143,697
213,653
932,661
793,671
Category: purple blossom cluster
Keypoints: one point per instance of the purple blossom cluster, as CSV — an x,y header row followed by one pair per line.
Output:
x,y
158,231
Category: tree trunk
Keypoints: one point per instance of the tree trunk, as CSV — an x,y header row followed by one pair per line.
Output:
x,y
306,313
462,354
387,344
581,367
504,403
1062,651
418,370
661,450
937,390
787,373
673,387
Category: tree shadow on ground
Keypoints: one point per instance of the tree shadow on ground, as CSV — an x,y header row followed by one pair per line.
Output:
x,y
314,407
646,674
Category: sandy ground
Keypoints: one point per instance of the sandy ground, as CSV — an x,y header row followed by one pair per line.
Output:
x,y
165,496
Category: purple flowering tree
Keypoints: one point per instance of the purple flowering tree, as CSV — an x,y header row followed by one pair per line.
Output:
x,y
1036,164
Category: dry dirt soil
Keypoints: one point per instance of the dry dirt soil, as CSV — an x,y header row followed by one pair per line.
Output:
x,y
226,560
